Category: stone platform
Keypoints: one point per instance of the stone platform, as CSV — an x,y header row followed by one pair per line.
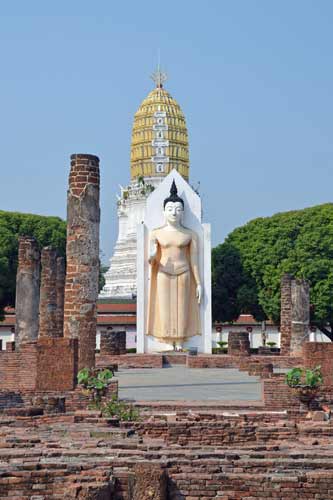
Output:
x,y
180,383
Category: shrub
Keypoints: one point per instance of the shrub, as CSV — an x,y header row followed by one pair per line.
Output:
x,y
304,378
95,381
120,409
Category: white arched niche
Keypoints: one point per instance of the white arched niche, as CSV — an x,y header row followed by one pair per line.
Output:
x,y
153,219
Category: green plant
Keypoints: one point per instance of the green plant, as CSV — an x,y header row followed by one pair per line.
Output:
x,y
301,378
306,382
95,381
124,411
293,377
223,344
271,344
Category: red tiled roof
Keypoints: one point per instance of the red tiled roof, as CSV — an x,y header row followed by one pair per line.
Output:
x,y
8,321
120,308
112,319
124,314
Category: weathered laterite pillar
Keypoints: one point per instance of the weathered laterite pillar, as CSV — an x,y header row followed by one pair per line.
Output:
x,y
60,287
295,315
48,325
82,255
27,291
300,318
285,317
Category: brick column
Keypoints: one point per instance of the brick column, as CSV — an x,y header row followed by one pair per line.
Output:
x,y
122,341
300,316
113,342
285,317
82,254
27,291
150,482
295,315
238,344
48,326
60,287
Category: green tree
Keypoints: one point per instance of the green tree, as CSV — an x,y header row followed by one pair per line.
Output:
x,y
299,242
46,230
233,291
101,278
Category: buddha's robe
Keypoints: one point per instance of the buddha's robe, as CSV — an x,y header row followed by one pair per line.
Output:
x,y
173,309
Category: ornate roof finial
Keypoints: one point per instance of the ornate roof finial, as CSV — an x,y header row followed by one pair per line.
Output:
x,y
159,76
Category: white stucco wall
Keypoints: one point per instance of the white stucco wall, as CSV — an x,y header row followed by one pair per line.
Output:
x,y
6,335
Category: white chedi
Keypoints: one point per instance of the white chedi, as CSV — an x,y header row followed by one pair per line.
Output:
x,y
120,279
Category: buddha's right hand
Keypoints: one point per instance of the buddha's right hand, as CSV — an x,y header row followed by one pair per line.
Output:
x,y
153,251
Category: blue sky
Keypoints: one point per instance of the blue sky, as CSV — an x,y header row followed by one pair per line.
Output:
x,y
254,79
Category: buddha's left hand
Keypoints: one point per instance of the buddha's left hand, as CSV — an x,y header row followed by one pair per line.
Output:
x,y
198,293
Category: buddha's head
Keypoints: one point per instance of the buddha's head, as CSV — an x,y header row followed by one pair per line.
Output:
x,y
173,206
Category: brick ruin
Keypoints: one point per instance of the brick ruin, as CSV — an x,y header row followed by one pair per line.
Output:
x,y
113,342
53,447
82,254
295,314
48,314
56,310
27,291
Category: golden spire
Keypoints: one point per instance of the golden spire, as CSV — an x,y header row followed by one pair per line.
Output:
x,y
159,134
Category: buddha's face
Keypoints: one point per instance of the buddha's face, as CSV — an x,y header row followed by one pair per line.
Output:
x,y
173,212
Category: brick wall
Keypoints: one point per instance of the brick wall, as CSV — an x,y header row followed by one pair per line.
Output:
x,y
49,364
174,359
57,364
320,354
131,360
278,396
226,361
18,369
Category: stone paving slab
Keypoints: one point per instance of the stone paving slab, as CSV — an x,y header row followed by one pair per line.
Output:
x,y
178,383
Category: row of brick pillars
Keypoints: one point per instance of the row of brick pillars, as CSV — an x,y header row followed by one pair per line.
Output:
x,y
54,303
39,294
